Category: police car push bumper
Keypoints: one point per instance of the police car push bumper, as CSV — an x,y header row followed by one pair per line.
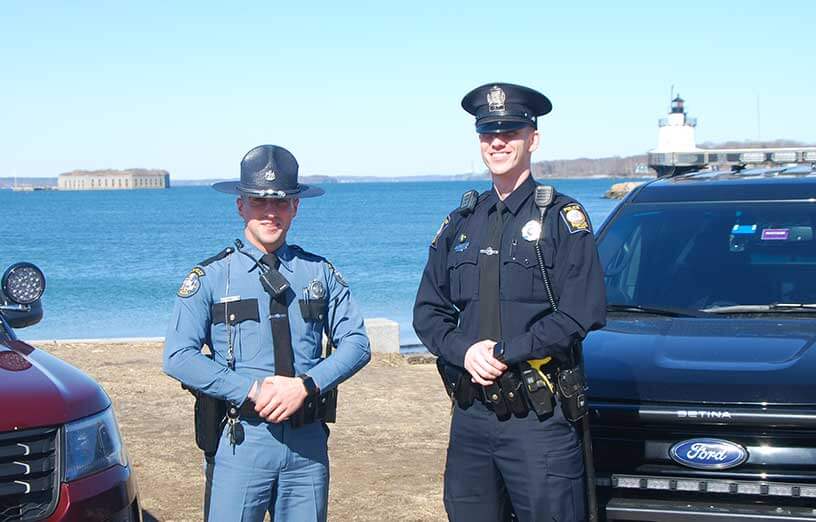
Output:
x,y
712,454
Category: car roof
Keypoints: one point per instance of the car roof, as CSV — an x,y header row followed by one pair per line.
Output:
x,y
795,183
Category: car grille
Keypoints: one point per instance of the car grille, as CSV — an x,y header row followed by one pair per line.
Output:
x,y
29,474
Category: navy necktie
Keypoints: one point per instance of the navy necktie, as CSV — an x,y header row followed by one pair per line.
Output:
x,y
489,270
279,320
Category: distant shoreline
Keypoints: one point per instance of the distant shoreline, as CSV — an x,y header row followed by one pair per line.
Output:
x,y
51,183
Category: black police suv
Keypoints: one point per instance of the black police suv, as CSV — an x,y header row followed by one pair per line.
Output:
x,y
703,384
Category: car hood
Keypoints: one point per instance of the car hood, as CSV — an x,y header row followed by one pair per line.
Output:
x,y
717,360
37,389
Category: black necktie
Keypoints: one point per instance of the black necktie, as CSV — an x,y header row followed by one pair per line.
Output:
x,y
489,269
279,320
489,304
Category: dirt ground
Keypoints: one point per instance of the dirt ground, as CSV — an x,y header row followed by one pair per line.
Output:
x,y
387,448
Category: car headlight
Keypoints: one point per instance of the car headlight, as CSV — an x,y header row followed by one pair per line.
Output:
x,y
92,444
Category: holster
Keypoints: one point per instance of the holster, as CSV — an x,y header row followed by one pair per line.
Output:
x,y
210,417
457,383
537,390
572,392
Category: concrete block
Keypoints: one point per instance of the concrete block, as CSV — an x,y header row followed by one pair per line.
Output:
x,y
383,334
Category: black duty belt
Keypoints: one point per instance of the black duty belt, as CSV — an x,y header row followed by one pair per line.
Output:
x,y
314,409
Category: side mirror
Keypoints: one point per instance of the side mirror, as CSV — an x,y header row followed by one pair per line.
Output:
x,y
21,288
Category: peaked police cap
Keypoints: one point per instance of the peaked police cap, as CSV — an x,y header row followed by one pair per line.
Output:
x,y
269,171
503,107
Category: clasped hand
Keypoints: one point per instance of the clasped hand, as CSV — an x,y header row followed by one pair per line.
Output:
x,y
276,398
484,369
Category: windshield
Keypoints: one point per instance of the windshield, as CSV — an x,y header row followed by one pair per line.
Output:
x,y
702,256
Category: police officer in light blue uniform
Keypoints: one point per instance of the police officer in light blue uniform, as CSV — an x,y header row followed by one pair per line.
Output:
x,y
267,359
512,283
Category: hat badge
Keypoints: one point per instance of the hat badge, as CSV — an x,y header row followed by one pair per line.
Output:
x,y
495,99
270,175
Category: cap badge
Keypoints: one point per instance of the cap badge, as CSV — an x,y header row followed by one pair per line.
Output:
x,y
270,175
531,230
495,99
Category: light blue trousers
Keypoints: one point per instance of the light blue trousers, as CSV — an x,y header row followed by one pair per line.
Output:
x,y
276,469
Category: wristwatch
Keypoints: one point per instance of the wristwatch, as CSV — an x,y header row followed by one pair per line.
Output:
x,y
498,351
309,384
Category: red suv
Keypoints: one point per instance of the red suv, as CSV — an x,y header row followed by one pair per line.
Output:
x,y
61,455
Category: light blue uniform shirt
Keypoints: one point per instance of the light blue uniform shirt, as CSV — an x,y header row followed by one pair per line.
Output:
x,y
234,280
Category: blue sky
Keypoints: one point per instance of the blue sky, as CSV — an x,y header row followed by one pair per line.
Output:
x,y
373,88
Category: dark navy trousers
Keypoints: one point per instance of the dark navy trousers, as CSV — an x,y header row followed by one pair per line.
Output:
x,y
524,466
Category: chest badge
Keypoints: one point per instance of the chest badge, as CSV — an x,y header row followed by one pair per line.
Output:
x,y
531,230
316,290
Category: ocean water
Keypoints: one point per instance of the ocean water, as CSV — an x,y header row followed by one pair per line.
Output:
x,y
113,260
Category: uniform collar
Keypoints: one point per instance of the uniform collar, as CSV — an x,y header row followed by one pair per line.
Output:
x,y
284,252
516,199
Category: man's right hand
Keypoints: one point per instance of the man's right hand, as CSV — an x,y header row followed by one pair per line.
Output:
x,y
480,363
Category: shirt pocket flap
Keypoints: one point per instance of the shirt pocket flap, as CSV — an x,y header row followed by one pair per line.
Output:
x,y
468,256
236,312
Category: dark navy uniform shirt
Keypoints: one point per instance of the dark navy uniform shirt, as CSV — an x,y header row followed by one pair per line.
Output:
x,y
446,311
230,285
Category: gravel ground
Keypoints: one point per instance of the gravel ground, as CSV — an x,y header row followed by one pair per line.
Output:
x,y
387,448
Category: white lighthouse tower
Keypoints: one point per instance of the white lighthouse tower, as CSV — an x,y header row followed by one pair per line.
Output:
x,y
676,133
676,150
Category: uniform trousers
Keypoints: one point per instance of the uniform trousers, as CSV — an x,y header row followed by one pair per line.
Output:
x,y
522,465
276,469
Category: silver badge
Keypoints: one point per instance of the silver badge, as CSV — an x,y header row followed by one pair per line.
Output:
x,y
495,99
270,175
531,230
316,289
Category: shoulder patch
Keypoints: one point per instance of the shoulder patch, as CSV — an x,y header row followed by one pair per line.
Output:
x,y
575,218
191,283
336,273
442,227
220,255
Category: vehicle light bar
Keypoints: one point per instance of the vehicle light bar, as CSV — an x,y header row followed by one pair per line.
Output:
x,y
788,156
753,157
729,487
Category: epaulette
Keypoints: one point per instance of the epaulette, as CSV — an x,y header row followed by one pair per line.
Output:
x,y
315,257
220,255
306,254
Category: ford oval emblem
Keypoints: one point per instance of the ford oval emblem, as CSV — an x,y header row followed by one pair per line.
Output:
x,y
708,454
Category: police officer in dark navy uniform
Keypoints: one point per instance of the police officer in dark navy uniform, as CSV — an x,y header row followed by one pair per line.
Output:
x,y
262,306
512,285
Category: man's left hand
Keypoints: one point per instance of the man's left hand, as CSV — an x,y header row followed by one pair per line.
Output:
x,y
279,397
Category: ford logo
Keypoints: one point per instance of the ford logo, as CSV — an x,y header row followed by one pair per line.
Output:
x,y
708,454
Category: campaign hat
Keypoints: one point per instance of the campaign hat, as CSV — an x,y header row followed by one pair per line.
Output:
x,y
269,171
503,107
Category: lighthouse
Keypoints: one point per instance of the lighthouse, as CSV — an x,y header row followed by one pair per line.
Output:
x,y
676,150
676,133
